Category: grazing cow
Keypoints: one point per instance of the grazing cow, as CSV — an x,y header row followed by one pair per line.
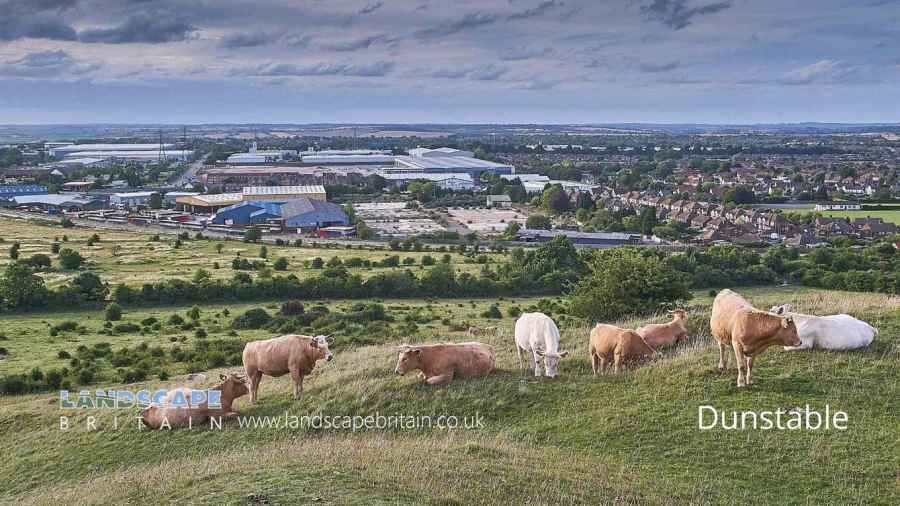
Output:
x,y
620,345
441,363
833,332
749,331
167,415
281,355
658,335
537,334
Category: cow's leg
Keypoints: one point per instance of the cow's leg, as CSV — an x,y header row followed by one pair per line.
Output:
x,y
723,357
521,362
595,363
537,363
442,379
297,381
749,379
741,364
254,378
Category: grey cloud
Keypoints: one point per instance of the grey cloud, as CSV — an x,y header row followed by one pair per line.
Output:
x,y
298,41
377,69
361,43
144,27
676,14
539,10
46,64
371,7
248,39
487,72
653,68
524,53
38,19
467,22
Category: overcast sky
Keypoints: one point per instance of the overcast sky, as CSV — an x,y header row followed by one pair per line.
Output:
x,y
442,61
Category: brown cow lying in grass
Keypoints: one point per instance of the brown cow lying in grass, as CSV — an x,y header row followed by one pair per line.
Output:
x,y
281,355
165,415
658,335
442,363
749,331
620,345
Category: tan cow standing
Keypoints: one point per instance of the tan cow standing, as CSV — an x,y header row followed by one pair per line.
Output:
x,y
749,331
442,363
278,356
658,335
167,415
620,345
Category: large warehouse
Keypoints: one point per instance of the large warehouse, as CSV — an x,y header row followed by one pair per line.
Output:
x,y
448,160
299,213
315,192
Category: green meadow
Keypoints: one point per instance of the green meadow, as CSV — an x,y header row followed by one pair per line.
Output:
x,y
631,438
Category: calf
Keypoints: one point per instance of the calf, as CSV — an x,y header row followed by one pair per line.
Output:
x,y
664,334
834,332
621,345
278,356
442,363
166,415
749,331
537,334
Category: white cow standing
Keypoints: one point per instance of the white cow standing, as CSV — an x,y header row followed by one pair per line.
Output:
x,y
834,332
537,334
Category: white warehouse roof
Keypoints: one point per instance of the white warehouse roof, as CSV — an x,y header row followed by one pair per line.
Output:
x,y
283,190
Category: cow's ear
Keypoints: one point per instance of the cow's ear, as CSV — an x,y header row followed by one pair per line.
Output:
x,y
223,377
563,354
417,352
314,343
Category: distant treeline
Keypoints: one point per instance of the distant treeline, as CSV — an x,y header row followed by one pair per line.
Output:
x,y
551,269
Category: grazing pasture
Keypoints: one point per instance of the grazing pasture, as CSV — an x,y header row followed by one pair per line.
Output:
x,y
134,259
631,438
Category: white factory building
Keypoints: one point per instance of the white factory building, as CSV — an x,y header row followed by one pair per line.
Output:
x,y
256,156
448,160
457,182
131,199
121,152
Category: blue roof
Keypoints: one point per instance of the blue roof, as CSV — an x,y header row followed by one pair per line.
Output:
x,y
22,189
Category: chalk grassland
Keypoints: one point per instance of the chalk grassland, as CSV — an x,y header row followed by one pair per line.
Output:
x,y
628,439
30,343
131,258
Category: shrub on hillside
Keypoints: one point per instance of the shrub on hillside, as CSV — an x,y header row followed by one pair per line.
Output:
x,y
252,319
627,281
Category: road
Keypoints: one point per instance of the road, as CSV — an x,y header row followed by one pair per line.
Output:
x,y
189,174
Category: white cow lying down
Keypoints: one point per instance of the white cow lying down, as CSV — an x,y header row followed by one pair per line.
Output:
x,y
835,332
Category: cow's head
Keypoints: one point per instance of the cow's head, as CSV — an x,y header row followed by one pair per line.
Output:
x,y
232,386
551,361
787,332
409,360
319,345
678,314
782,309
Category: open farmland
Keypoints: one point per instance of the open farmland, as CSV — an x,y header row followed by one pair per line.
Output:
x,y
133,259
631,438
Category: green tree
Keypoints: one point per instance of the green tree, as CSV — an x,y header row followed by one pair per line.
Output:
x,y
281,264
555,199
20,288
252,234
113,312
625,281
263,252
70,259
156,201
538,221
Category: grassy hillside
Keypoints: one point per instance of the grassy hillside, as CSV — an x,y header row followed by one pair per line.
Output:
x,y
630,439
132,259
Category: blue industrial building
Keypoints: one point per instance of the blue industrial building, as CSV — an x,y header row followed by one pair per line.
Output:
x,y
9,191
301,214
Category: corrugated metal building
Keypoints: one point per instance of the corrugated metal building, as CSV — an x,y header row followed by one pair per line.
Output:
x,y
300,214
